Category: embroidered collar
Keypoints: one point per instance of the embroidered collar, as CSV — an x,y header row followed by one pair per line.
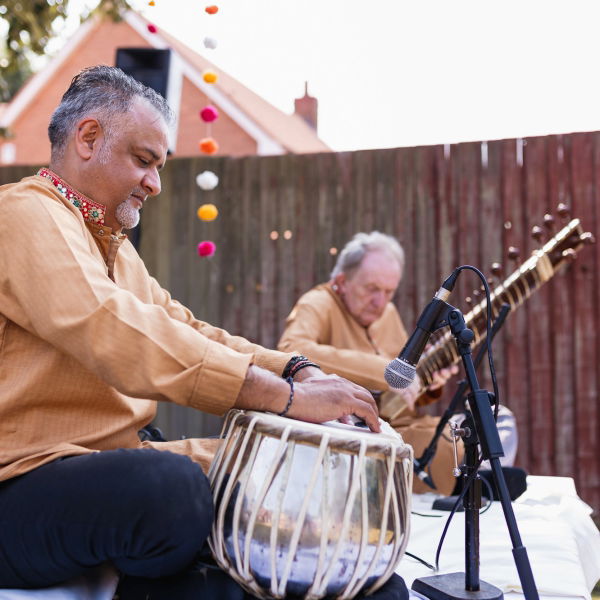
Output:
x,y
92,212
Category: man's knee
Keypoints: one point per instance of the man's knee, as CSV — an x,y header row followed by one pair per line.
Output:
x,y
174,492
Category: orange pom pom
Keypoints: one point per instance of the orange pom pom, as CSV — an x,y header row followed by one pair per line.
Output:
x,y
208,212
210,76
212,9
208,145
151,3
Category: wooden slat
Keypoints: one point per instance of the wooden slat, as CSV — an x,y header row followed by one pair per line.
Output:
x,y
516,390
541,428
491,227
585,203
561,330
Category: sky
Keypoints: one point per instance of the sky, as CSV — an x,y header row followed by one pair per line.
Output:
x,y
391,73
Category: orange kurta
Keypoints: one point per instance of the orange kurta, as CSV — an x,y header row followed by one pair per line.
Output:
x,y
321,327
89,342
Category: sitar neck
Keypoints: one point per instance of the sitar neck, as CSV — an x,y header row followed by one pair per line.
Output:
x,y
531,275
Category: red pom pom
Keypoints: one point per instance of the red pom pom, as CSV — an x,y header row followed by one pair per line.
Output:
x,y
213,9
152,28
209,114
206,248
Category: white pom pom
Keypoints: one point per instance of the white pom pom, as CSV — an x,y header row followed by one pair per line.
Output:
x,y
210,43
207,180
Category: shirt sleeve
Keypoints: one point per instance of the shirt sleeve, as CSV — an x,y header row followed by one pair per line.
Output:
x,y
306,329
54,284
272,360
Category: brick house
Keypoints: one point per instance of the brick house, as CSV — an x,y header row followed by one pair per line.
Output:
x,y
247,125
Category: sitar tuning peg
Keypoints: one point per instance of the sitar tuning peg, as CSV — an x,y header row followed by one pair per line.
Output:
x,y
469,300
587,238
513,253
569,254
548,220
563,210
536,233
496,269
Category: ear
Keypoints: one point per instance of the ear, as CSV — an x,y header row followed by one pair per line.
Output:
x,y
339,282
87,137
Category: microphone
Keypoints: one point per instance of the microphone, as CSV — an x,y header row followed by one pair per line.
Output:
x,y
401,372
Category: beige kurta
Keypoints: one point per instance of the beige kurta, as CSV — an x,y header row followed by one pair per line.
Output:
x,y
321,328
89,342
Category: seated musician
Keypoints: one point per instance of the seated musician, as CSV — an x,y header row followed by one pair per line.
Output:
x,y
89,343
350,327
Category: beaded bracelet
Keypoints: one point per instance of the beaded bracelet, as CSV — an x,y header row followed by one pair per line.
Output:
x,y
300,365
290,399
291,363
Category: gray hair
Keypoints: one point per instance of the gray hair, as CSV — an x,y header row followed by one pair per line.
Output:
x,y
353,253
105,91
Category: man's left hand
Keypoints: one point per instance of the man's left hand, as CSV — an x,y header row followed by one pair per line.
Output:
x,y
441,377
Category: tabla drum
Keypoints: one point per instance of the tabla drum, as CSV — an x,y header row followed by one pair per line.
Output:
x,y
309,510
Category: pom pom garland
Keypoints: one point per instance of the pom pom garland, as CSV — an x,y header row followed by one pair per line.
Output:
x,y
206,248
210,43
208,145
210,76
209,114
207,180
208,212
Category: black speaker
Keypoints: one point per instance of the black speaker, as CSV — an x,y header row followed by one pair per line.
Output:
x,y
148,65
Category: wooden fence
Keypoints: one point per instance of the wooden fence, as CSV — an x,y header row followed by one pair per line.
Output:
x,y
281,220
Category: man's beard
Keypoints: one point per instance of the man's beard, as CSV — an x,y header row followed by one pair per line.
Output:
x,y
127,215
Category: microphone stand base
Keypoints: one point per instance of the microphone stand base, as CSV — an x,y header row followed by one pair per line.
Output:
x,y
452,587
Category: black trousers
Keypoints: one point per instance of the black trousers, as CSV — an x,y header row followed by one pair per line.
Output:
x,y
145,511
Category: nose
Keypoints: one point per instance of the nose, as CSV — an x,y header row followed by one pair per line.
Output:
x,y
151,183
379,299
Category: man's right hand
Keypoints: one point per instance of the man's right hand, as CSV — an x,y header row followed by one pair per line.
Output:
x,y
317,398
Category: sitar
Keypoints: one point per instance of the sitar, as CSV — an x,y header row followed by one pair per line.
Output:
x,y
541,266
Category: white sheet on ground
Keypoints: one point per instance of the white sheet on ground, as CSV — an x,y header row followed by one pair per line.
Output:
x,y
562,542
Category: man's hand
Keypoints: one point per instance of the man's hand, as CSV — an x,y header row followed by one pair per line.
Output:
x,y
411,393
440,377
317,397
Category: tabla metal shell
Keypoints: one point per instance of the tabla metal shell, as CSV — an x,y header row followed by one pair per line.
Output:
x,y
308,510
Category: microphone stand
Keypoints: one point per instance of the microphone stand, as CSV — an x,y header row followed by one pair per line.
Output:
x,y
420,464
480,428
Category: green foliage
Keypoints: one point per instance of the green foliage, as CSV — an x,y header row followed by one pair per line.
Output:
x,y
30,25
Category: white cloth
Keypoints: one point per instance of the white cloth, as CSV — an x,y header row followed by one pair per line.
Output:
x,y
562,542
100,584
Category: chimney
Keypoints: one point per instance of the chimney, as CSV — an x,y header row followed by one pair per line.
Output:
x,y
307,107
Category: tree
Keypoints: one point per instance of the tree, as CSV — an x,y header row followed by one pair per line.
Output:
x,y
29,25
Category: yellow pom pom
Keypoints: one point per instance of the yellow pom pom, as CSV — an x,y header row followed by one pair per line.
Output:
x,y
208,212
210,76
